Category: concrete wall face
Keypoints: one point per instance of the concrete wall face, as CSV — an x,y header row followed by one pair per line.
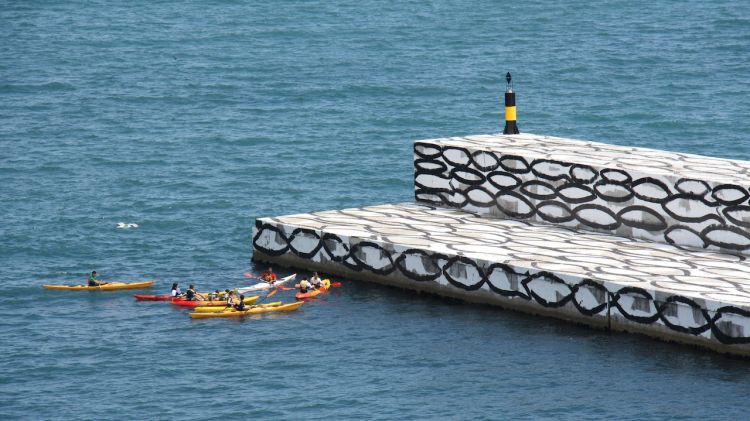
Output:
x,y
660,205
590,301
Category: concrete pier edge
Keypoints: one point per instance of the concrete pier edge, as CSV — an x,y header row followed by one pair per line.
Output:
x,y
664,335
618,238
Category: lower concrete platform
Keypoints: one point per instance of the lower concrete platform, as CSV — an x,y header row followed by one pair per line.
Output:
x,y
602,280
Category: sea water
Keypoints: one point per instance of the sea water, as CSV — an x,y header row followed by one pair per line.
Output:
x,y
191,119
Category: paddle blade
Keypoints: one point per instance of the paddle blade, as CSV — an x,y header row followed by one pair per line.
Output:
x,y
336,284
283,288
272,293
247,275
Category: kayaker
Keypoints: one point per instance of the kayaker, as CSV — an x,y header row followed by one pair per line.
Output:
x,y
176,290
304,286
316,281
240,306
191,295
231,301
93,282
268,275
214,295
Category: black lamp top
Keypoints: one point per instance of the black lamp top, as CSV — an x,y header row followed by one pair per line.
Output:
x,y
508,77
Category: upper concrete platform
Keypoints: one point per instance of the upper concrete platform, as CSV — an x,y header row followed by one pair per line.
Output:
x,y
602,155
680,199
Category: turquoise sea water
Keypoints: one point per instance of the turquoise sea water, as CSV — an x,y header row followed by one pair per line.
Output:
x,y
191,119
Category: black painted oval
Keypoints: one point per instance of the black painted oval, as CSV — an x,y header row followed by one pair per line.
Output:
x,y
518,199
611,224
450,152
616,176
544,210
547,190
555,170
692,186
639,186
721,192
623,192
480,160
565,190
429,166
514,164
650,220
427,150
467,175
738,215
583,173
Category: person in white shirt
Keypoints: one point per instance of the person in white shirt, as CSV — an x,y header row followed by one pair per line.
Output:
x,y
176,290
304,286
316,281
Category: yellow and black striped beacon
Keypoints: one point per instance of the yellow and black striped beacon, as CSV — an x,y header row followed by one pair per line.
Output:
x,y
510,108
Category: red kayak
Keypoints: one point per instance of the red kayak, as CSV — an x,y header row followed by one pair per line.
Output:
x,y
152,297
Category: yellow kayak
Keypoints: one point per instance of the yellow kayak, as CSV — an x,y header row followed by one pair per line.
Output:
x,y
214,309
250,311
215,303
112,286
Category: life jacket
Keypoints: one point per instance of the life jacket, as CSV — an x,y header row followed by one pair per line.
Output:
x,y
268,276
304,285
190,294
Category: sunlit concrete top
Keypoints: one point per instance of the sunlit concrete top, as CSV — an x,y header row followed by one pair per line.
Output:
x,y
601,155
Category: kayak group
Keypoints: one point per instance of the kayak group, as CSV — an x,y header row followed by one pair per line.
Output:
x,y
227,303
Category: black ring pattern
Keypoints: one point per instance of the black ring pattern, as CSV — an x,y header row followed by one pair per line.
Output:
x,y
587,295
610,198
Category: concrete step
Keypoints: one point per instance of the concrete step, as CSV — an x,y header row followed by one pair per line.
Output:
x,y
673,198
696,297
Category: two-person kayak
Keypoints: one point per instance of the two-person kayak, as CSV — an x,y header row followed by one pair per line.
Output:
x,y
111,286
252,310
314,292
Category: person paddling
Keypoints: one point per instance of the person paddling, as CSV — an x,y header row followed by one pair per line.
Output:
x,y
176,292
191,295
93,282
316,282
268,276
240,305
304,286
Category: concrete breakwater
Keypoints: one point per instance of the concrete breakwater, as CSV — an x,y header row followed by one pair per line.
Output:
x,y
626,239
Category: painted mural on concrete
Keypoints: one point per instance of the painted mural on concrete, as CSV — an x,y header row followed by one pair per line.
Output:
x,y
679,199
695,293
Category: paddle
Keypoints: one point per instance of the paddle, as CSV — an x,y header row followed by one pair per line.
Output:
x,y
272,293
248,275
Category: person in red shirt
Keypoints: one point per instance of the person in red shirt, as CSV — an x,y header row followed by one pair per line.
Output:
x,y
268,276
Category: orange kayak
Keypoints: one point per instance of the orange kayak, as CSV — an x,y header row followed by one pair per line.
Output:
x,y
315,292
112,286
